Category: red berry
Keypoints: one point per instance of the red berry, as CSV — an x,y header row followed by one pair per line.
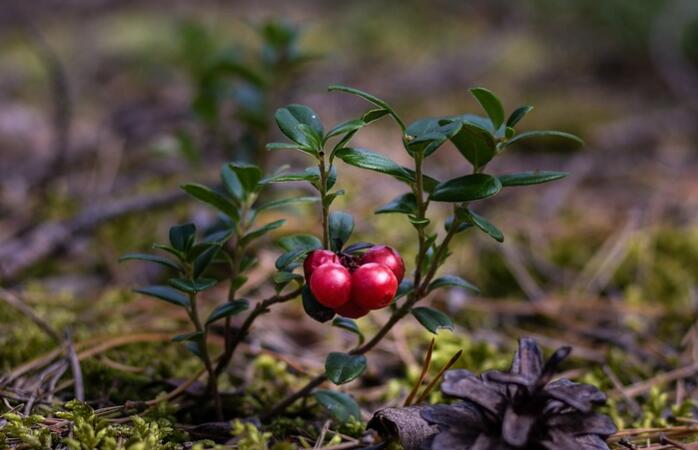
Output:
x,y
352,310
331,285
315,259
388,256
373,286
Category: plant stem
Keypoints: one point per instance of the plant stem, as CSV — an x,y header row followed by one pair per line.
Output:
x,y
261,308
325,206
205,356
421,213
234,261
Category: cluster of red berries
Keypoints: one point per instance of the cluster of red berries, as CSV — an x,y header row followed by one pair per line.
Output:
x,y
352,285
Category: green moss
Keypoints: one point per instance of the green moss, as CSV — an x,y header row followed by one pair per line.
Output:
x,y
661,267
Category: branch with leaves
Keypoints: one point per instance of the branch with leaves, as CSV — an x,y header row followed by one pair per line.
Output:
x,y
478,139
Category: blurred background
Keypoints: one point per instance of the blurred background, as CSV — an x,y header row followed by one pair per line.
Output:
x,y
106,107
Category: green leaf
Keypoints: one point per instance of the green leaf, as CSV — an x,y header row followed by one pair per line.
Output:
x,y
418,222
295,241
341,406
429,134
285,146
261,231
365,95
202,261
544,134
428,182
467,188
195,346
331,196
341,225
196,335
484,225
462,226
311,175
213,198
314,140
290,177
370,98
151,258
232,183
404,204
227,309
248,261
248,174
182,236
345,127
192,286
517,115
491,104
342,368
165,293
475,143
313,308
432,319
292,116
365,159
374,114
451,281
219,237
531,177
282,279
292,146
349,325
356,247
280,203
237,282
296,246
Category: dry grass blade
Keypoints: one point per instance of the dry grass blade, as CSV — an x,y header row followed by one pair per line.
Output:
x,y
79,387
425,369
438,376
321,437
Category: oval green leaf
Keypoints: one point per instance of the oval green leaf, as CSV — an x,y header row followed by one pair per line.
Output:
x,y
349,325
475,143
192,287
531,177
342,407
227,309
484,225
182,236
151,258
432,319
518,114
467,188
491,104
213,198
291,117
404,204
342,368
452,281
165,293
313,308
341,225
544,134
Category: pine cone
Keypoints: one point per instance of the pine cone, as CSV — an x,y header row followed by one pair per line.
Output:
x,y
519,410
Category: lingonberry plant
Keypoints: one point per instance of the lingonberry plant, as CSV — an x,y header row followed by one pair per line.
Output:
x,y
228,244
339,278
352,284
